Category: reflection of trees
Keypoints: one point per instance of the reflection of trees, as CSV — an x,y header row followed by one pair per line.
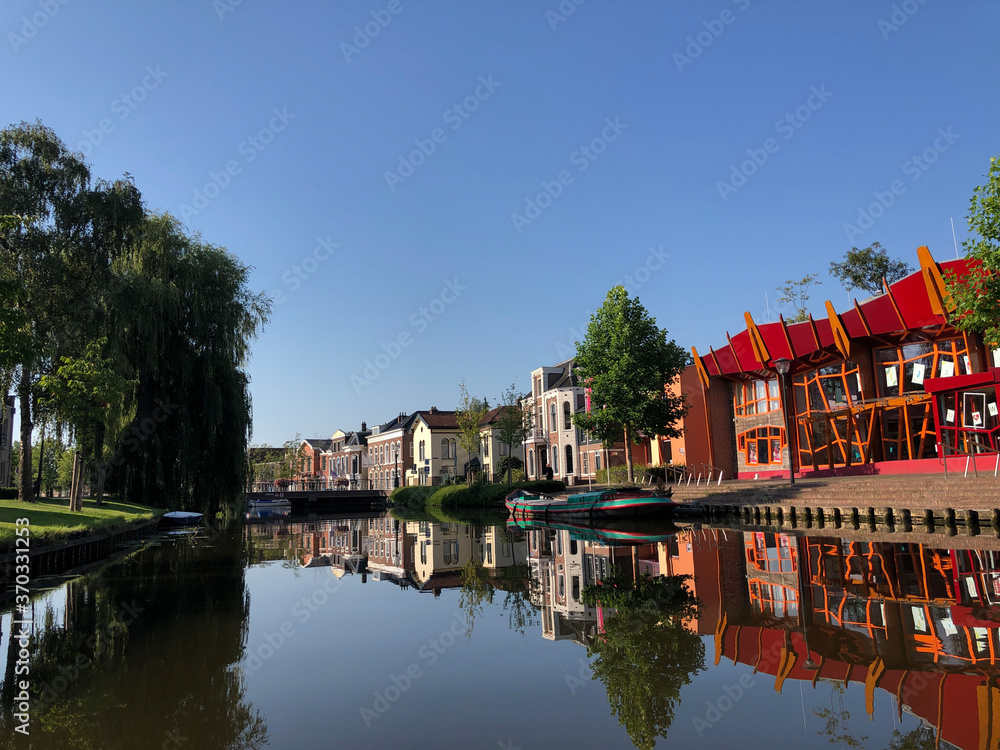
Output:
x,y
645,654
165,672
838,720
477,592
921,738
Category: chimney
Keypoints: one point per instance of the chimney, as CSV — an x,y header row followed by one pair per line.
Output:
x,y
364,426
434,410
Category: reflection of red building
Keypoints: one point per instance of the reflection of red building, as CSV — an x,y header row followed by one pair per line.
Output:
x,y
875,388
920,623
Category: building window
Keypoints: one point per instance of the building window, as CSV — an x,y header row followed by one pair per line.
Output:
x,y
569,459
597,460
585,462
423,553
555,460
762,445
757,397
553,426
486,448
444,448
531,463
567,417
423,451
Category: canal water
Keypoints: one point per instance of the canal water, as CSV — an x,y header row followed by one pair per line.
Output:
x,y
384,633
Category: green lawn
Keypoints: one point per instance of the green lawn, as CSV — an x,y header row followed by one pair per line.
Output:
x,y
51,518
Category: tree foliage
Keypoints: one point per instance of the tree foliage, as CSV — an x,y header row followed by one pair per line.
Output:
x,y
469,415
626,361
866,268
976,294
512,427
796,294
645,654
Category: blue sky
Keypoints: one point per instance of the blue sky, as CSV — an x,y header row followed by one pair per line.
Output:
x,y
450,197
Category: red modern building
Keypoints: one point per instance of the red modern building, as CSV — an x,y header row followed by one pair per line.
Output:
x,y
887,386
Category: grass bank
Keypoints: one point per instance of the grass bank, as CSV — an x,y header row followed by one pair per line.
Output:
x,y
458,500
51,519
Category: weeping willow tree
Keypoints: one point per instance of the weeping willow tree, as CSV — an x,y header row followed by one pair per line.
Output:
x,y
184,318
56,259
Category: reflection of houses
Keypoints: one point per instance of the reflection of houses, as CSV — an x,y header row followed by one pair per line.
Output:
x,y
389,550
918,622
440,551
340,544
880,383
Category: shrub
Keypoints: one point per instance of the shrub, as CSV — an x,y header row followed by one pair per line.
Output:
x,y
8,493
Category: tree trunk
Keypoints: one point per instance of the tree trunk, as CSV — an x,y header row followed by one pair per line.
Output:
x,y
75,478
79,485
24,397
41,462
628,454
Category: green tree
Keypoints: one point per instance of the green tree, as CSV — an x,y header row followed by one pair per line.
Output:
x,y
291,467
184,318
56,265
645,654
866,268
976,294
626,361
84,391
512,427
796,294
470,413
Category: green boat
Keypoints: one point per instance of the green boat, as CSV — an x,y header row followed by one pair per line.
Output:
x,y
524,505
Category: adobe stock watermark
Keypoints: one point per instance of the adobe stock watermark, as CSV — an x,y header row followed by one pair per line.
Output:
x,y
581,158
365,33
915,167
455,116
249,148
123,106
31,25
428,653
656,259
295,276
787,127
420,321
224,7
901,13
562,12
714,28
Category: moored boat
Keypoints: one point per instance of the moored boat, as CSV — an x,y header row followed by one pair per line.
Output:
x,y
182,518
269,502
601,504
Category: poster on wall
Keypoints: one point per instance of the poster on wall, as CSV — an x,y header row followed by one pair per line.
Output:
x,y
991,407
973,408
752,452
776,449
890,377
918,373
949,416
947,368
968,364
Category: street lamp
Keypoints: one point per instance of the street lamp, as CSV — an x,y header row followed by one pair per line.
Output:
x,y
782,365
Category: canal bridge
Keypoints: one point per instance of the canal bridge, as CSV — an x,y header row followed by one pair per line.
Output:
x,y
323,499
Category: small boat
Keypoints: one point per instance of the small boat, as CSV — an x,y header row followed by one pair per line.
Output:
x,y
611,532
601,504
269,502
182,518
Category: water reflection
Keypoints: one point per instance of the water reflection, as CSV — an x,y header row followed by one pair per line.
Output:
x,y
154,647
141,654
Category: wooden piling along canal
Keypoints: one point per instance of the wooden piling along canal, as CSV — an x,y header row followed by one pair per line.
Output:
x,y
788,516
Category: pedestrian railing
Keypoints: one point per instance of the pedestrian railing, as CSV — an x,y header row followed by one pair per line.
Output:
x,y
970,457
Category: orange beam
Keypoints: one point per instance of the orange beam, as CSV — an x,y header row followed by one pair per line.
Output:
x,y
937,292
840,336
759,347
700,367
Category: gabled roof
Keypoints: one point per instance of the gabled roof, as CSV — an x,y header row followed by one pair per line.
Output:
x,y
913,303
441,420
493,416
401,421
318,443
